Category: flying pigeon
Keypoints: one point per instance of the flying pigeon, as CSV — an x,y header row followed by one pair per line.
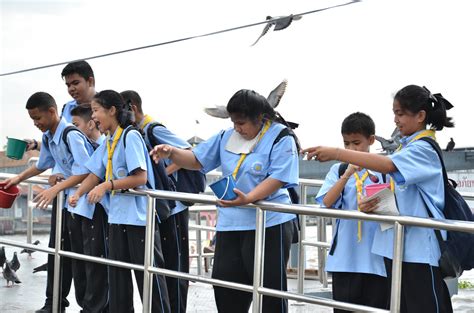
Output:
x,y
3,258
28,250
392,144
273,99
10,275
41,268
450,145
280,22
14,263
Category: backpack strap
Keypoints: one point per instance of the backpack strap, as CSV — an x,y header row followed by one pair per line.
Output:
x,y
151,137
70,128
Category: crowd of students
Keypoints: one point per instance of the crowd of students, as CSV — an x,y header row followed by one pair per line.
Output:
x,y
110,153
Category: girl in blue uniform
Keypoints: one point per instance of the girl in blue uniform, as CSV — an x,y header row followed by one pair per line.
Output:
x,y
122,162
263,170
417,172
358,275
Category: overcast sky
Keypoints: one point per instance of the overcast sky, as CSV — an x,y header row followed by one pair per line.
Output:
x,y
336,62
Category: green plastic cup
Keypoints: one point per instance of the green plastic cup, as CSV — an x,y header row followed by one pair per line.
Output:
x,y
16,148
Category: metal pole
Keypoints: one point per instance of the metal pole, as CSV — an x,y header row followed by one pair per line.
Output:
x,y
199,245
301,247
148,261
322,265
29,215
398,238
259,256
57,247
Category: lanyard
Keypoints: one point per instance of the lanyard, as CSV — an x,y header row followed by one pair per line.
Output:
x,y
146,120
244,155
426,133
359,187
110,153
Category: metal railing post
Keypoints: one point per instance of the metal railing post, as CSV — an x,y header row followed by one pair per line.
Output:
x,y
199,245
148,260
398,242
322,261
29,215
258,267
301,248
57,247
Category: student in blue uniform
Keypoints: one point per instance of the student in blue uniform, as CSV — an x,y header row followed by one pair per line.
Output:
x,y
123,163
265,170
358,275
417,172
94,227
174,231
69,161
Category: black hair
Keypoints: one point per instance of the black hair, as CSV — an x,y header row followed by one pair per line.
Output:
x,y
358,123
42,101
84,111
111,98
82,68
414,99
133,97
249,104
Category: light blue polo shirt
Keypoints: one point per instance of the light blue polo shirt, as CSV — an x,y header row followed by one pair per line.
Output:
x,y
350,255
165,136
55,154
66,111
124,209
279,162
418,172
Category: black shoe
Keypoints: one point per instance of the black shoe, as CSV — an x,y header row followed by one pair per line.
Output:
x,y
49,309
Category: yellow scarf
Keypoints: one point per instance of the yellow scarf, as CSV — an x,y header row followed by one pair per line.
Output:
x,y
426,133
110,153
244,155
146,120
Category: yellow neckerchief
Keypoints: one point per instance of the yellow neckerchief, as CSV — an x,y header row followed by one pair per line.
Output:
x,y
110,153
359,187
244,155
147,119
426,133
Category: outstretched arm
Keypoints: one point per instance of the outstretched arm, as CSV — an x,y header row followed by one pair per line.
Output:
x,y
181,157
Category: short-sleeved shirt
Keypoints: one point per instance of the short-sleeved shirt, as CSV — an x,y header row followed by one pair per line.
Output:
x,y
351,255
66,114
54,153
418,172
165,136
124,209
278,161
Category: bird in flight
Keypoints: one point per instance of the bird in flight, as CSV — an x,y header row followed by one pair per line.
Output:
x,y
279,23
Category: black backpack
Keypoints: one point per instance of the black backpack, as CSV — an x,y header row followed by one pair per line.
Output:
x,y
189,181
66,131
457,251
162,182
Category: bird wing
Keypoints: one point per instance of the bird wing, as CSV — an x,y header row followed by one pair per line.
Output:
x,y
219,111
265,30
275,96
283,22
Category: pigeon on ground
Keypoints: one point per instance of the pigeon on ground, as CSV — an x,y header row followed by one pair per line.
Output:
x,y
10,275
3,258
41,268
450,145
14,263
37,242
280,22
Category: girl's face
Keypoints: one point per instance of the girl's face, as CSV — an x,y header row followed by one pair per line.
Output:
x,y
358,142
247,128
407,122
104,118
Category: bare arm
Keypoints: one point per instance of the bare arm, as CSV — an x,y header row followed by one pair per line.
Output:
x,y
335,191
29,172
44,198
375,162
181,157
261,191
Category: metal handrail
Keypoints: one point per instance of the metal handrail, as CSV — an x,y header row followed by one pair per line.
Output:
x,y
261,207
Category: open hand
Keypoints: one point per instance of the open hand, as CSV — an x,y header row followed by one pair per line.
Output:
x,y
44,198
242,199
96,194
11,182
368,206
161,152
73,200
321,153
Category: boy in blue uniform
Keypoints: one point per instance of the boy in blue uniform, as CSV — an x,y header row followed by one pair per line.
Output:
x,y
174,231
358,275
263,170
69,161
416,170
122,163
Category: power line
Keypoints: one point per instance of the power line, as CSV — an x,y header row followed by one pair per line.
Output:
x,y
173,41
